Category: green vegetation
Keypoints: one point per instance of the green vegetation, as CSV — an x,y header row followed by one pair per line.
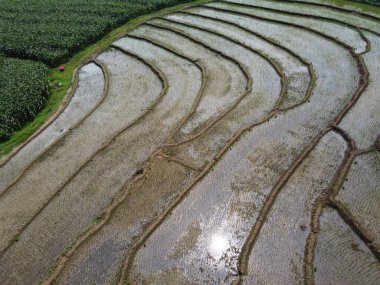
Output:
x,y
372,6
51,32
371,2
23,92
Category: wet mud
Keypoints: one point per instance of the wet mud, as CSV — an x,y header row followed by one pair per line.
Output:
x,y
231,143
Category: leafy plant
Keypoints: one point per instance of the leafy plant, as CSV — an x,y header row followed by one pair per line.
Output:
x,y
50,31
23,92
371,2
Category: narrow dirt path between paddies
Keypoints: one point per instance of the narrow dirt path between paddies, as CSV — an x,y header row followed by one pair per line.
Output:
x,y
231,143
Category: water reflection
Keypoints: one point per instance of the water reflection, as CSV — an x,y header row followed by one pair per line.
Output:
x,y
219,244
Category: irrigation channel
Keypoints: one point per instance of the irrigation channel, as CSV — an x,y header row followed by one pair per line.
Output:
x,y
236,142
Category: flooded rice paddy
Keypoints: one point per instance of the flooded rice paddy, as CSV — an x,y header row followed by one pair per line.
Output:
x,y
231,143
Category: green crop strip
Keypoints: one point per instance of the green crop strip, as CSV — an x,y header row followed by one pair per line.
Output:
x,y
363,5
370,2
60,82
51,31
23,93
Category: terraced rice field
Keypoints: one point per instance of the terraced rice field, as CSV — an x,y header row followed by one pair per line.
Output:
x,y
231,143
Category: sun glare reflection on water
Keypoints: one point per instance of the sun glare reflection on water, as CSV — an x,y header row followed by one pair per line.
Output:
x,y
219,244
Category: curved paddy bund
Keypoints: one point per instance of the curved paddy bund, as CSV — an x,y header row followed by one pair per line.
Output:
x,y
213,145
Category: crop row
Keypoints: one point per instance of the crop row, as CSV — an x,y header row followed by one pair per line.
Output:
x,y
50,31
371,2
23,92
